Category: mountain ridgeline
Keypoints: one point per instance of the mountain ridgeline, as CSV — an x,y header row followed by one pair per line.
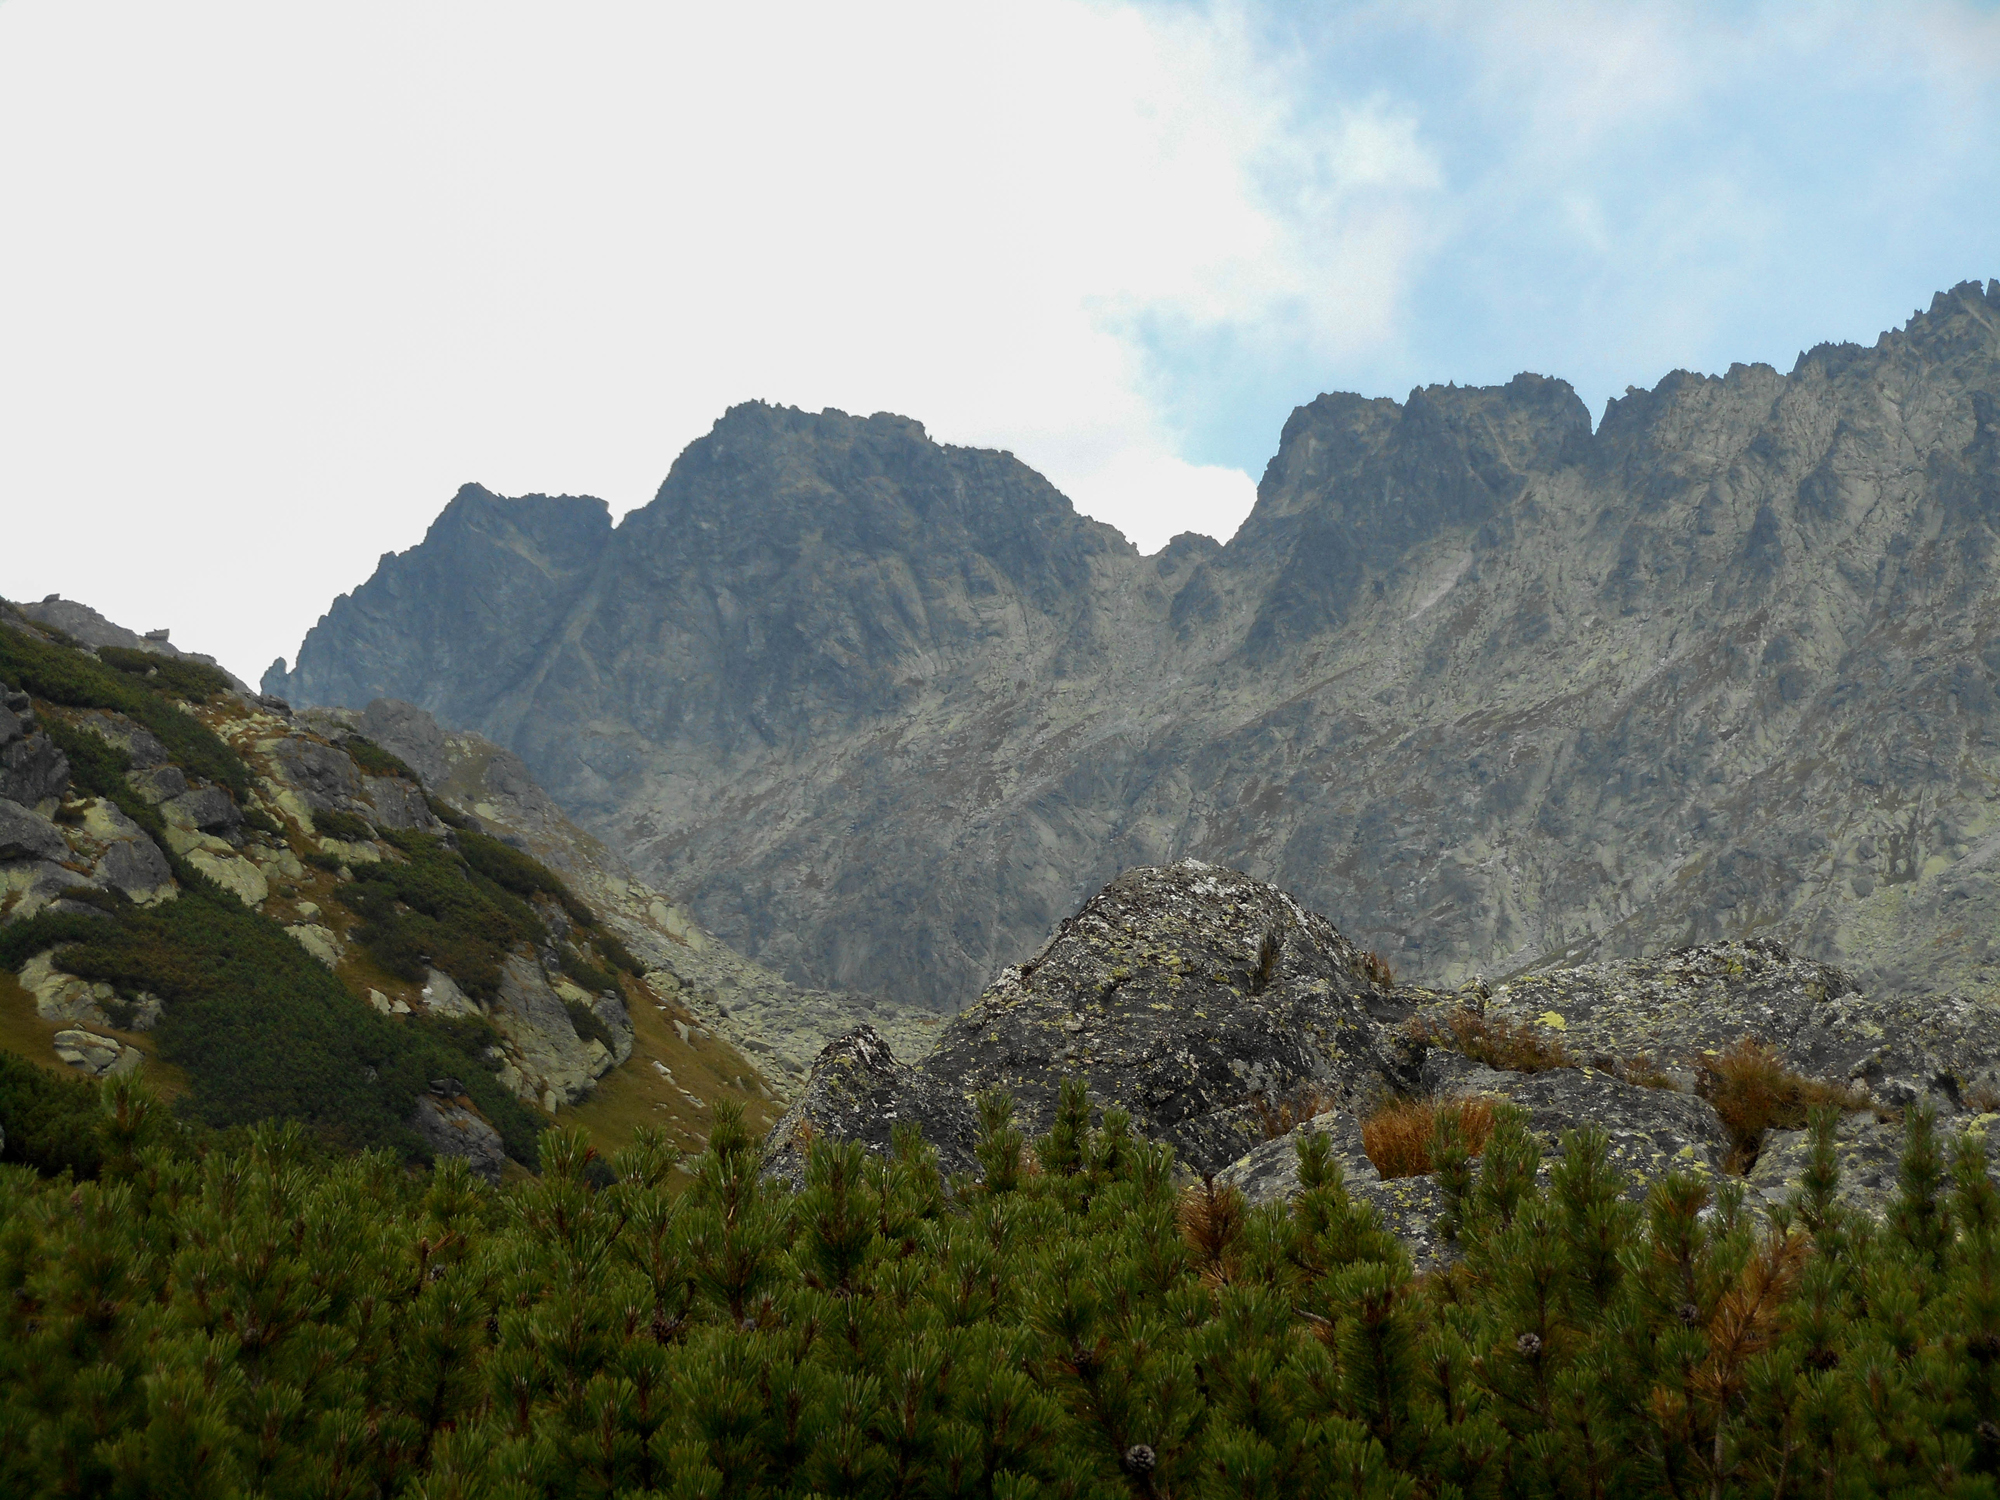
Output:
x,y
1487,685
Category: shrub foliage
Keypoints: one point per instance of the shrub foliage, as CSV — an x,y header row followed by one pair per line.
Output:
x,y
251,1321
78,680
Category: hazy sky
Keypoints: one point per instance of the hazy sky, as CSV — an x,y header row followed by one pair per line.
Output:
x,y
276,278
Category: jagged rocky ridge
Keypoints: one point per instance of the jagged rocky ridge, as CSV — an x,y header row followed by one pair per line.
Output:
x,y
1202,1001
1499,687
304,807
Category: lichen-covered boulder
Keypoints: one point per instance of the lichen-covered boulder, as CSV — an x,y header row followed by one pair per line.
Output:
x,y
1408,1207
1180,994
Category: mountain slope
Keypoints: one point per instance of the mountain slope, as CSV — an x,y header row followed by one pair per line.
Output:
x,y
272,916
1487,685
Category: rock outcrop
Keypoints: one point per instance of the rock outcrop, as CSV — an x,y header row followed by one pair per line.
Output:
x,y
1213,1008
1500,688
1188,996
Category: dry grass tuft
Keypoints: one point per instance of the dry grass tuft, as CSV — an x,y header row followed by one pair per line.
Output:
x,y
1397,1137
1278,1116
1753,1091
1510,1046
1982,1099
1641,1071
1376,968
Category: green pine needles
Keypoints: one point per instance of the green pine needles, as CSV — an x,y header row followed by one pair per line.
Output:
x,y
263,1319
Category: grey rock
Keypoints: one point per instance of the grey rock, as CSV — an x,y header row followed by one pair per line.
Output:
x,y
325,776
1869,1150
209,809
859,1091
31,886
99,1056
1179,995
554,1065
33,772
1496,686
610,1008
157,784
139,743
134,867
443,997
1651,1131
1408,1207
395,803
24,836
450,1128
1679,1007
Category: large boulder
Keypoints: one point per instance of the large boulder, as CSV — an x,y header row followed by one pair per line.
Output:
x,y
1188,996
547,1062
450,1127
24,835
1185,995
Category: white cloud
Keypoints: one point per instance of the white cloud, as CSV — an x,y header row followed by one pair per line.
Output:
x,y
274,280
282,277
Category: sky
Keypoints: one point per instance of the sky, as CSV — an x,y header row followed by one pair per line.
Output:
x,y
276,279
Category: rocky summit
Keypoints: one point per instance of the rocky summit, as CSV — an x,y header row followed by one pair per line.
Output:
x,y
1498,685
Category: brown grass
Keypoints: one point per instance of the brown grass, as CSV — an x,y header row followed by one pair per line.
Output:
x,y
1643,1072
1279,1116
1510,1046
1753,1091
1376,968
1983,1099
1397,1137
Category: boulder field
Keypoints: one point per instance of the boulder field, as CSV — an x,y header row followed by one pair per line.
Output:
x,y
1226,1019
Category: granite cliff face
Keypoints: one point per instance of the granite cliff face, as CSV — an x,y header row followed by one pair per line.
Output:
x,y
1492,686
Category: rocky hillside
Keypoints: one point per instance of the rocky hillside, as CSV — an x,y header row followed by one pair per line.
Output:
x,y
1494,685
1223,1017
781,1027
277,916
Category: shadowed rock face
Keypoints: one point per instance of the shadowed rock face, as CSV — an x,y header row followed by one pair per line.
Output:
x,y
1496,689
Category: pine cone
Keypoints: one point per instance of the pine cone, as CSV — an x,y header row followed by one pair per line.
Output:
x,y
1139,1459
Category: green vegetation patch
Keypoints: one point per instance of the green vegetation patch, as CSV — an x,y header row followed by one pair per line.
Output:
x,y
347,826
520,873
59,674
1074,1324
374,760
261,1028
51,1122
434,910
193,680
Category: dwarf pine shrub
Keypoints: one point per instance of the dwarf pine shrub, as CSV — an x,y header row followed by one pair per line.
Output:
x,y
259,1318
